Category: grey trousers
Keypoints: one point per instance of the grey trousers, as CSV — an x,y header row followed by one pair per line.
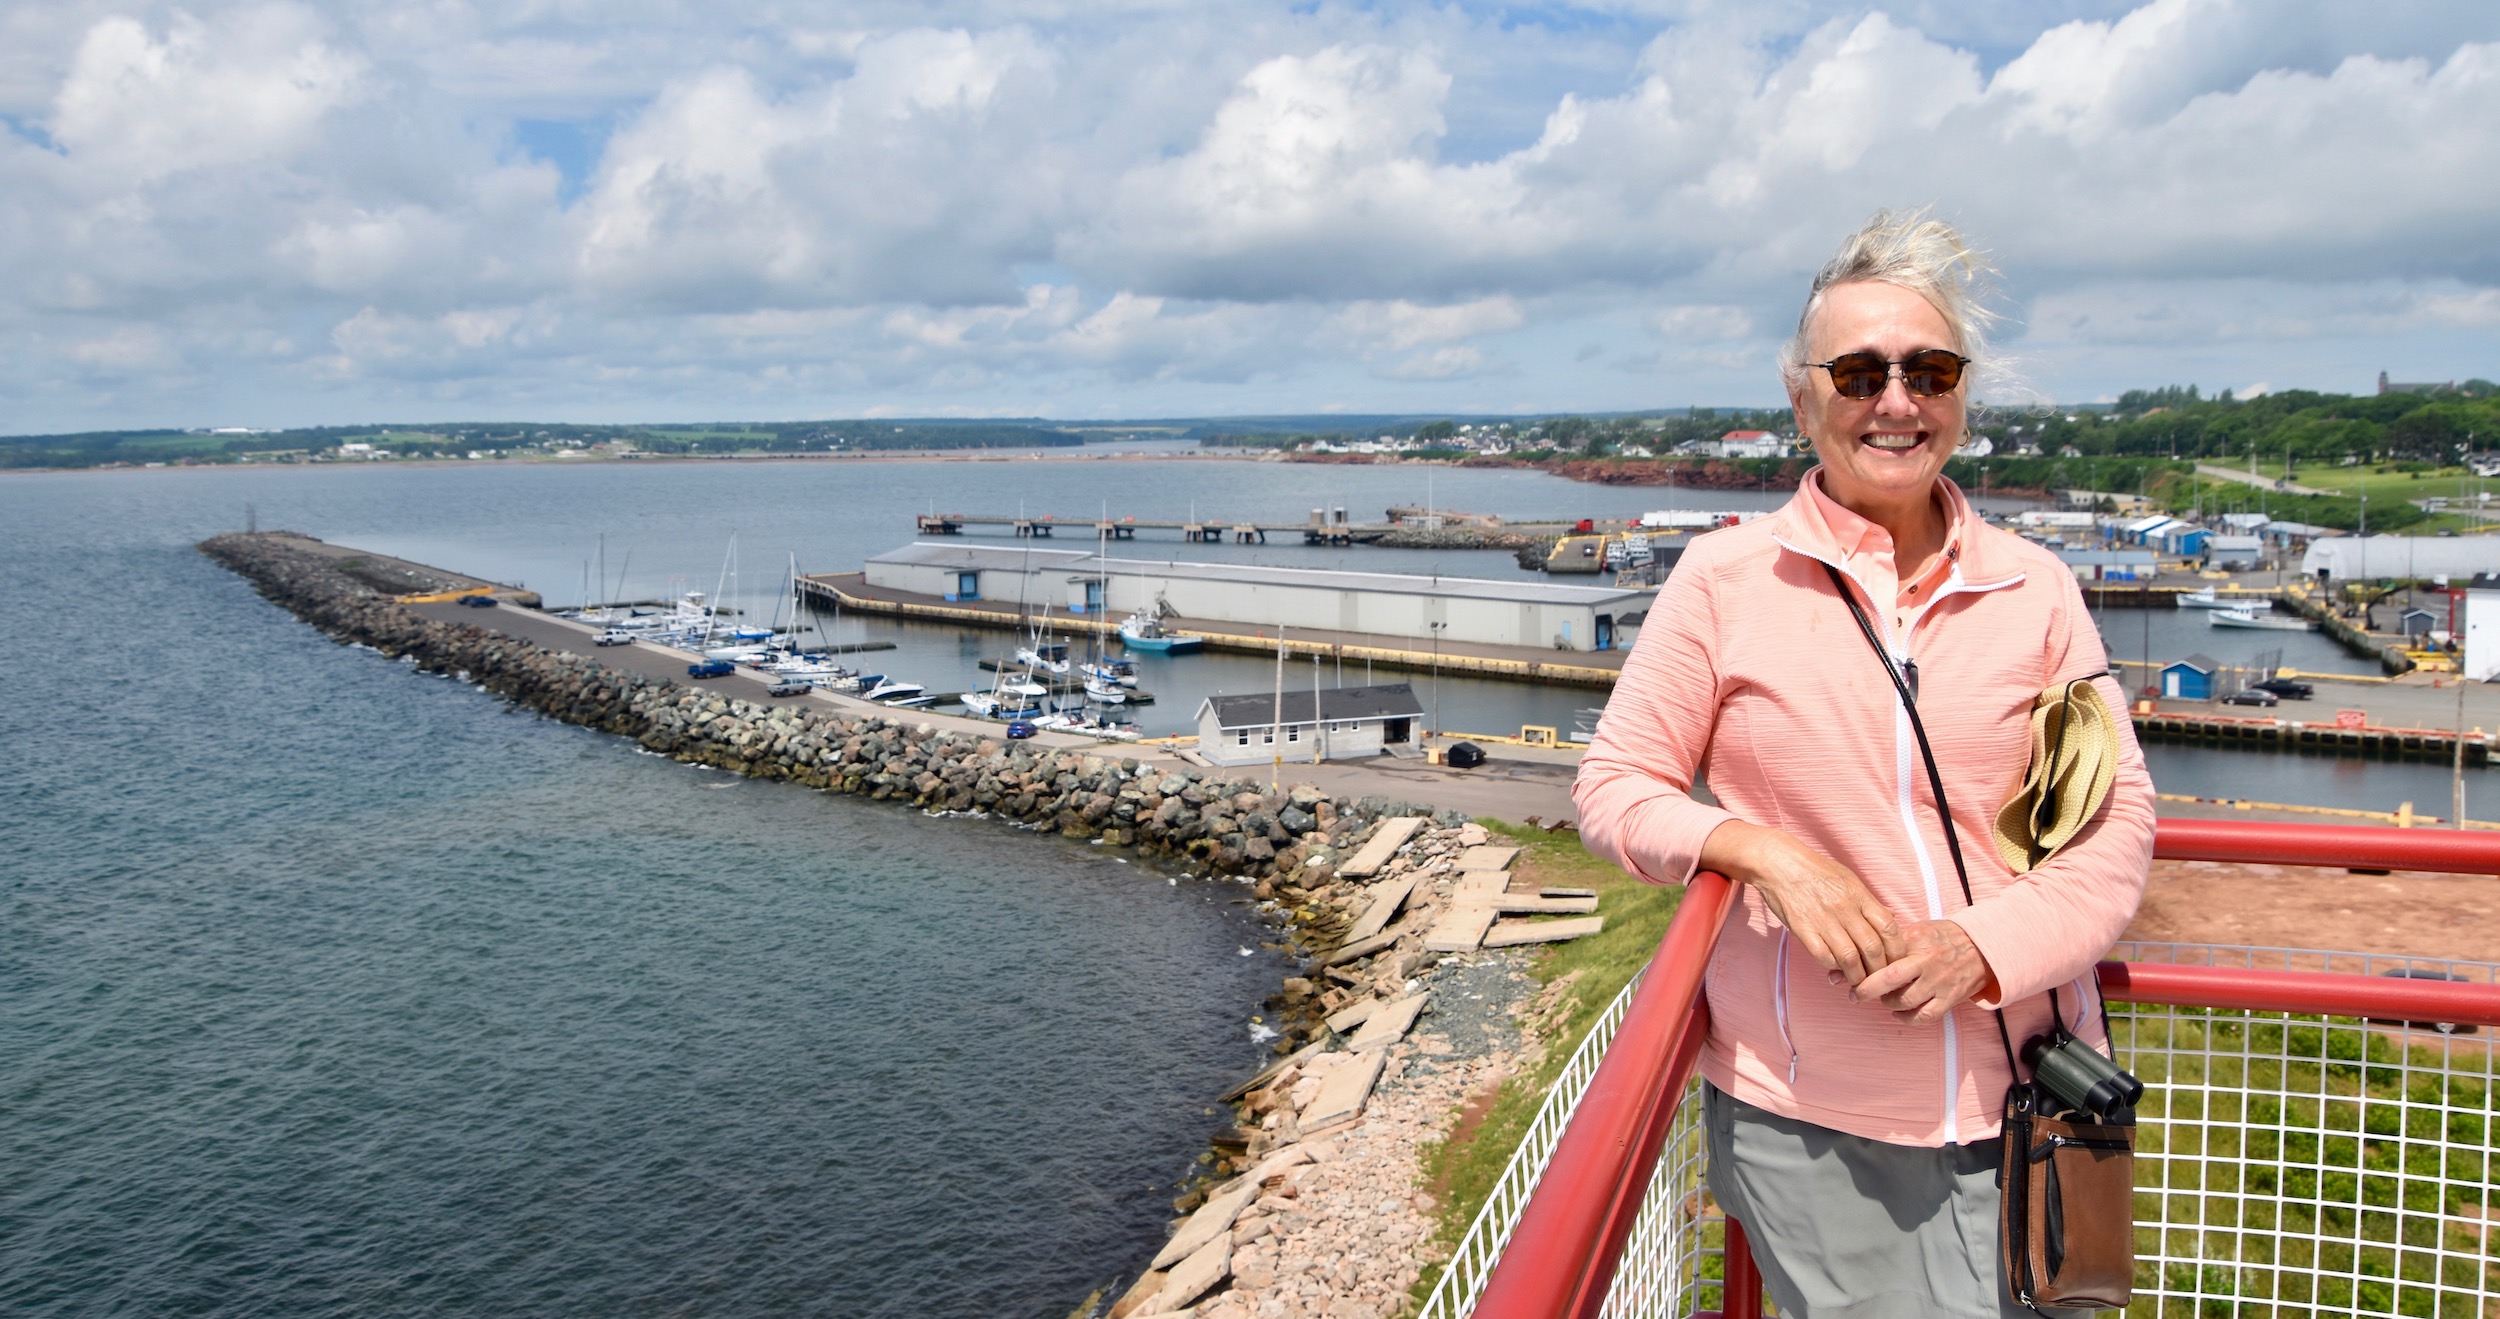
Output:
x,y
1850,1228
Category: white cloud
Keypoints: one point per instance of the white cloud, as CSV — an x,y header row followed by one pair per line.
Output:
x,y
1148,207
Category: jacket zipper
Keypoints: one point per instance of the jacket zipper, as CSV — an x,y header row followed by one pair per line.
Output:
x,y
1905,742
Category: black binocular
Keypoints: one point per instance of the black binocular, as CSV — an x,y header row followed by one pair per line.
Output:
x,y
2077,1076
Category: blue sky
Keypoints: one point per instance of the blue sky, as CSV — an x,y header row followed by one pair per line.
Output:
x,y
269,214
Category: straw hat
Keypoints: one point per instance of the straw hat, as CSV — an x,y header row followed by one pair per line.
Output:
x,y
2074,758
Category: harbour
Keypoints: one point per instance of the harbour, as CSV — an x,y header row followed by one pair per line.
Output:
x,y
673,829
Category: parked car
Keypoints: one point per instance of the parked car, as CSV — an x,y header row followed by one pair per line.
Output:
x,y
2251,696
2286,688
711,669
615,636
1020,730
790,687
478,601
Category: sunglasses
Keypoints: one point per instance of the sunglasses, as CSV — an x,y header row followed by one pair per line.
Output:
x,y
1926,373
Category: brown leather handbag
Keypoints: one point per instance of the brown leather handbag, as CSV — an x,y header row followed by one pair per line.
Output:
x,y
2066,1203
2066,1215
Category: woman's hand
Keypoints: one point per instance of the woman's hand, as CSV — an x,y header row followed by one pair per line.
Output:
x,y
1941,970
1825,906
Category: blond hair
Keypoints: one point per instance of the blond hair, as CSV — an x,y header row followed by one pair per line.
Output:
x,y
1911,250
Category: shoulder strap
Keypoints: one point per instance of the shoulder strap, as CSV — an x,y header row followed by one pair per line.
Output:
x,y
1935,780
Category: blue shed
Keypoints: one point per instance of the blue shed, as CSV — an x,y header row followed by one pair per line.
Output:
x,y
2190,679
2185,541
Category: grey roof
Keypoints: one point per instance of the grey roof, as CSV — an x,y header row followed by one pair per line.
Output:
x,y
939,555
2234,543
1389,700
1471,588
2104,558
1080,564
2200,663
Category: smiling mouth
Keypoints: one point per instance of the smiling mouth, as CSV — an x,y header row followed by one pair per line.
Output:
x,y
1891,442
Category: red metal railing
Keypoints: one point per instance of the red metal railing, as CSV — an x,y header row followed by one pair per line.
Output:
x,y
1561,1258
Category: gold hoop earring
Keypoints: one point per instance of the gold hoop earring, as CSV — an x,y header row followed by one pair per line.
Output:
x,y
1805,444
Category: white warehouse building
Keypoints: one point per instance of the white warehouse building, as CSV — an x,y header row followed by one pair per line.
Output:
x,y
1479,610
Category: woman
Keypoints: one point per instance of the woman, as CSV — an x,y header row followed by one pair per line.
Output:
x,y
1855,1079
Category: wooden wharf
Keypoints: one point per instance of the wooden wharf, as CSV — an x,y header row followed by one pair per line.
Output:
x,y
2366,741
1202,531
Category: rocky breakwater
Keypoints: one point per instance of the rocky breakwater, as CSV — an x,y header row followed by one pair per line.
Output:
x,y
1310,1205
1282,840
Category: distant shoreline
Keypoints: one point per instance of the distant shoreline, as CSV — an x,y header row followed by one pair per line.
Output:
x,y
887,456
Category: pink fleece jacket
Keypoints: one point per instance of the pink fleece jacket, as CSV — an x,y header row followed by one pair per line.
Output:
x,y
1751,673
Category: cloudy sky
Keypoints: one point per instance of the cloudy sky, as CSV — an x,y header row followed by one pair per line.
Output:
x,y
263,214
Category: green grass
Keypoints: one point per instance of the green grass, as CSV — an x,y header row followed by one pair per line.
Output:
x,y
2320,1133
1461,1170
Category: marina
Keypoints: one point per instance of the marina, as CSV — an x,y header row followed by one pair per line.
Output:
x,y
943,654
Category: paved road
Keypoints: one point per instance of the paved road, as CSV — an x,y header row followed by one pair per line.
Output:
x,y
2262,481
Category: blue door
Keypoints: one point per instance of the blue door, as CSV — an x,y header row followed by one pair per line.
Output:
x,y
967,586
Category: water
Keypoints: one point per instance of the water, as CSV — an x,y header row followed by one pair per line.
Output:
x,y
336,989
333,989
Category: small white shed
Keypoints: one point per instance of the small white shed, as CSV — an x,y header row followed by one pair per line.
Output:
x,y
1351,722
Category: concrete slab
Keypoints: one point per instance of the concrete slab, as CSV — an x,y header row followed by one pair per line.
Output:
x,y
1389,1024
1385,842
1461,929
1385,898
1346,1090
1478,888
1509,934
1352,1015
1213,1220
1194,1276
1361,948
1514,904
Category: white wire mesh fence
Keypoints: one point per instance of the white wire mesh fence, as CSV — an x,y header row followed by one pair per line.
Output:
x,y
1463,1278
2311,1165
2285,1164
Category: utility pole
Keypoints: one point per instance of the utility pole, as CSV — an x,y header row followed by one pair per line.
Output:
x,y
1436,677
1276,730
2457,771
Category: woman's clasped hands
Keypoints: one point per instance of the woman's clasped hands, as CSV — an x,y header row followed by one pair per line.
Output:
x,y
1917,969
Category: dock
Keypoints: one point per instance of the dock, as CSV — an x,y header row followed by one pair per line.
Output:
x,y
1322,529
851,593
2353,739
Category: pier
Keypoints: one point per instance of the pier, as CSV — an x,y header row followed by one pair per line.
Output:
x,y
1326,527
2358,740
851,593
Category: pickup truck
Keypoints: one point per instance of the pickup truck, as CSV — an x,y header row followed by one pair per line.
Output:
x,y
615,636
711,669
790,687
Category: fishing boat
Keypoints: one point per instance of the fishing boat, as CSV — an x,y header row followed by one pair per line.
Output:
x,y
1144,630
2206,599
2245,617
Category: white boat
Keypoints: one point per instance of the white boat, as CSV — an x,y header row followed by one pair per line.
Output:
x,y
892,691
2250,618
1090,725
1104,690
2206,599
1044,657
